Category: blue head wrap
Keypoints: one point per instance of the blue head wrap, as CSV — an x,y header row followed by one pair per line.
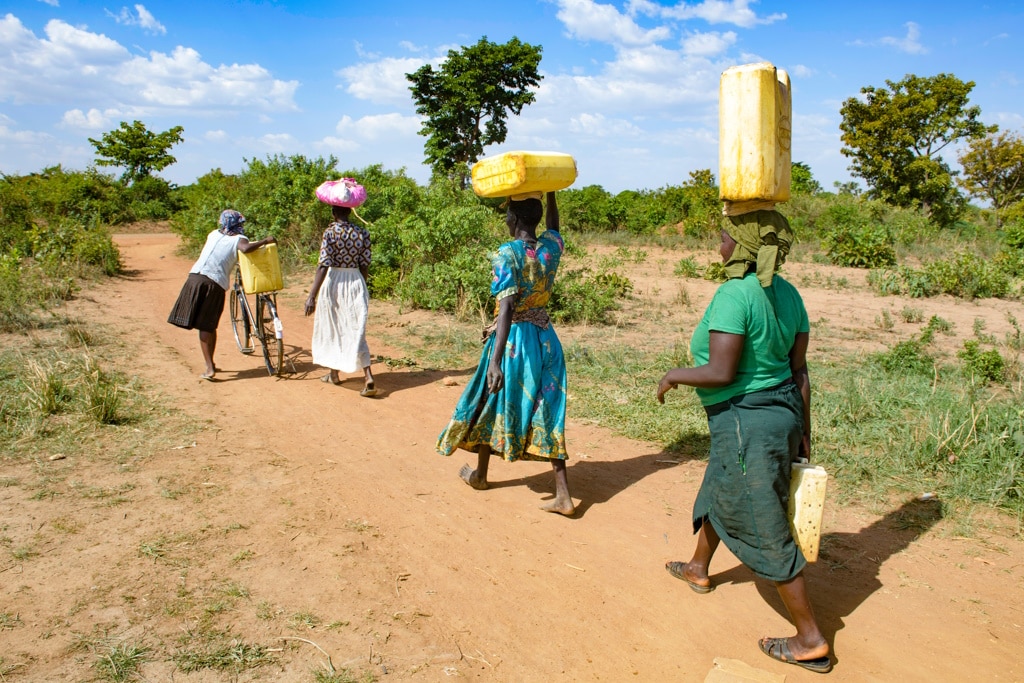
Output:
x,y
232,222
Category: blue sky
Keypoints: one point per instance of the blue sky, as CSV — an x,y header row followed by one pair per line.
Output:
x,y
630,87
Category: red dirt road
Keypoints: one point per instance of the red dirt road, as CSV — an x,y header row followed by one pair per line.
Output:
x,y
349,513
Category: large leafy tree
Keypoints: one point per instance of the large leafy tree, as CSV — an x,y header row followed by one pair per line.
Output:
x,y
994,170
467,100
894,136
136,149
802,180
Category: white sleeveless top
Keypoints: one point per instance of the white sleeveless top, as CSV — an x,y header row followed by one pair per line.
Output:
x,y
220,254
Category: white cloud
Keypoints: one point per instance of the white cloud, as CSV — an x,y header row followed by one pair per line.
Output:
x,y
21,137
216,136
142,18
597,125
708,44
276,143
94,119
801,71
736,12
910,43
588,20
74,65
51,3
379,127
383,81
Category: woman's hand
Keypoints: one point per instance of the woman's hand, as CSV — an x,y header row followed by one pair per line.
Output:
x,y
495,378
805,448
310,305
664,386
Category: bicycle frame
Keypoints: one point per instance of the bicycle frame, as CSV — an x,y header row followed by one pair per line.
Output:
x,y
262,324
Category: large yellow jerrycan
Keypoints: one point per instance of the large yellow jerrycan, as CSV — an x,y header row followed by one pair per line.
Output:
x,y
754,131
261,270
515,173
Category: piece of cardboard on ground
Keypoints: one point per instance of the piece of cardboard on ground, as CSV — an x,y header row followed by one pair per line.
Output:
x,y
735,671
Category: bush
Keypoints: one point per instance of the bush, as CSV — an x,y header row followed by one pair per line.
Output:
x,y
967,276
859,246
987,366
907,357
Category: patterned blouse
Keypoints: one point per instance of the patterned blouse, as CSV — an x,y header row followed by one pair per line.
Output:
x,y
345,245
527,273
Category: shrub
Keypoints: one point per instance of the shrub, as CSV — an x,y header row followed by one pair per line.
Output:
x,y
967,276
907,357
986,366
860,246
686,267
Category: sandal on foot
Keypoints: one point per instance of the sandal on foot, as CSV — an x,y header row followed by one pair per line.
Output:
x,y
369,390
326,379
778,649
678,570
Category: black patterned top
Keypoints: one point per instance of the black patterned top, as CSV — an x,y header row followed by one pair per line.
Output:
x,y
345,245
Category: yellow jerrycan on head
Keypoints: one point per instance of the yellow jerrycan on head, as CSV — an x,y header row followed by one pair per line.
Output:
x,y
514,173
754,133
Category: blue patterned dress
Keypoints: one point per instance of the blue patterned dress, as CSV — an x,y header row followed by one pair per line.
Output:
x,y
525,420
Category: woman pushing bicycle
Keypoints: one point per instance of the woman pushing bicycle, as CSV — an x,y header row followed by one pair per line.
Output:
x,y
201,300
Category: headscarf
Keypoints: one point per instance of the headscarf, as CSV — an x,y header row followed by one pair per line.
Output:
x,y
232,222
762,238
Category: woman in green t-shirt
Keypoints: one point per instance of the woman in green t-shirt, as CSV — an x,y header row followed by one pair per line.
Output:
x,y
750,373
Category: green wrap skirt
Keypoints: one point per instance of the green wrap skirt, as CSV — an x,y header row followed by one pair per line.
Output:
x,y
745,493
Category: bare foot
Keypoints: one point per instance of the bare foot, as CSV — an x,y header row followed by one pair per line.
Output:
x,y
468,475
562,507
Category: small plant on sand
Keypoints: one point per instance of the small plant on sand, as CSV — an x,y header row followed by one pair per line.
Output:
x,y
121,662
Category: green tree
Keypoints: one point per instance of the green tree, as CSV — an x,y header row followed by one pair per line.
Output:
x,y
894,136
137,150
467,100
994,170
801,179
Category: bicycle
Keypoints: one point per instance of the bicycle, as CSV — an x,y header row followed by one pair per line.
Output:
x,y
265,326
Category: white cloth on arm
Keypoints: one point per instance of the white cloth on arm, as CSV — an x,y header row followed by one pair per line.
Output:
x,y
339,325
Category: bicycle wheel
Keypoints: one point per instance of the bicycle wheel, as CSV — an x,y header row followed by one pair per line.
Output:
x,y
240,324
270,333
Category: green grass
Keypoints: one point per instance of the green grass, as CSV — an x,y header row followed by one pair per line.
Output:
x,y
121,662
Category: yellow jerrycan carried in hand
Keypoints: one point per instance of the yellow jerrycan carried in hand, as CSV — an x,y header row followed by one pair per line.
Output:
x,y
515,173
807,507
261,270
754,133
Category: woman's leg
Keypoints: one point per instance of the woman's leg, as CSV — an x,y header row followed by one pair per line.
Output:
x,y
208,343
478,478
808,643
562,504
695,572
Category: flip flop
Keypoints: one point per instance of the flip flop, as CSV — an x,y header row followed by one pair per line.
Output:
x,y
778,649
326,379
208,378
678,570
369,390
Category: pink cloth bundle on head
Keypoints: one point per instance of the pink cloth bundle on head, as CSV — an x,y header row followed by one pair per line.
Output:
x,y
343,192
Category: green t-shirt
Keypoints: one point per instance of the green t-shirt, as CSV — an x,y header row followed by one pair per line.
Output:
x,y
769,319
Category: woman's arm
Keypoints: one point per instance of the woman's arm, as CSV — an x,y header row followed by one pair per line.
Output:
x,y
314,290
495,376
551,213
245,246
798,364
724,351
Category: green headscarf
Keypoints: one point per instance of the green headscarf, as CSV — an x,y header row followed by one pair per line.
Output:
x,y
762,238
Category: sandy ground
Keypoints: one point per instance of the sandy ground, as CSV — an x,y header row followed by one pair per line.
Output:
x,y
325,504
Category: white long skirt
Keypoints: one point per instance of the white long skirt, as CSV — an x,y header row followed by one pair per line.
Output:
x,y
339,324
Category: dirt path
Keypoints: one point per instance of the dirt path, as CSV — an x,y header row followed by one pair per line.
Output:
x,y
339,507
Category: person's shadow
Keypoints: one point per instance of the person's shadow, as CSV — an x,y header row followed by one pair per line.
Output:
x,y
846,573
597,481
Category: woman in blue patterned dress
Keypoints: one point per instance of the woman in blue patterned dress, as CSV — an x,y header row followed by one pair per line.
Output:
x,y
514,406
341,300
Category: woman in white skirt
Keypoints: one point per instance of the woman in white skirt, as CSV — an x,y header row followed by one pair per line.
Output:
x,y
341,300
